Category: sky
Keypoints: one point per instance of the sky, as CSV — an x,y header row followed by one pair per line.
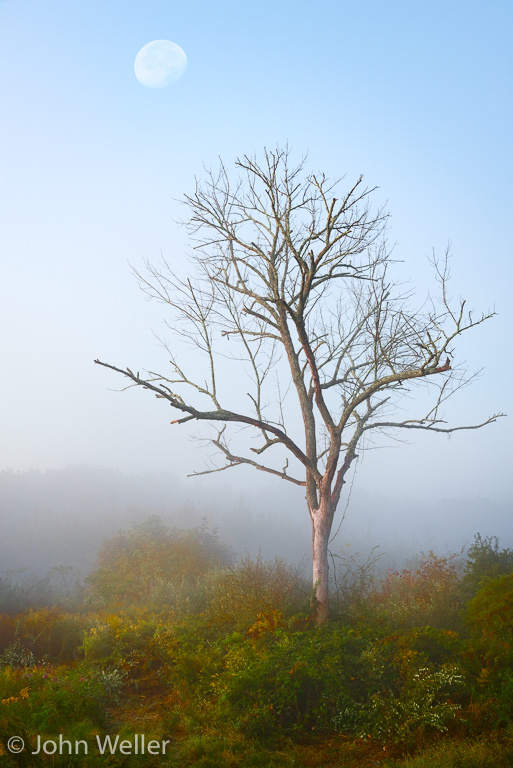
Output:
x,y
93,166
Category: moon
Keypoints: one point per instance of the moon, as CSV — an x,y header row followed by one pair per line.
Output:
x,y
160,63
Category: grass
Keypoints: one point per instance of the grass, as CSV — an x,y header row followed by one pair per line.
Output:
x,y
483,752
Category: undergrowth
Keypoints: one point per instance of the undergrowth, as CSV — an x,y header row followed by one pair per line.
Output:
x,y
414,669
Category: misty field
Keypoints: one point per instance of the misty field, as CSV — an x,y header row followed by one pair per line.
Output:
x,y
174,654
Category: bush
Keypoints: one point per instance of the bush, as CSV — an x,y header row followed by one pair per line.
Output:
x,y
404,698
47,698
15,655
284,679
236,596
489,616
136,563
491,611
426,594
127,644
484,560
50,633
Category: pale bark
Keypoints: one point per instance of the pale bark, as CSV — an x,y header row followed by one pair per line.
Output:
x,y
322,520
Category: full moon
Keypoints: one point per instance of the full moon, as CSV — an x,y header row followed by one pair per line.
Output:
x,y
160,63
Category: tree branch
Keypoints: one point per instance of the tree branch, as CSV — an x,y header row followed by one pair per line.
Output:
x,y
217,415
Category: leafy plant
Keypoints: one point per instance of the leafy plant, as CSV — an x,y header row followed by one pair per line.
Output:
x,y
16,655
236,596
133,564
489,616
484,560
425,594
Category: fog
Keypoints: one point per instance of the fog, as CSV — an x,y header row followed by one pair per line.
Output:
x,y
91,183
62,517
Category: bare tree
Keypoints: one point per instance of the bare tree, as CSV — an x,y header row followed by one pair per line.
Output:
x,y
292,281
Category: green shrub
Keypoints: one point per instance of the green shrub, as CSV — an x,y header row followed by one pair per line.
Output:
x,y
47,699
484,560
141,648
285,679
489,617
490,612
403,714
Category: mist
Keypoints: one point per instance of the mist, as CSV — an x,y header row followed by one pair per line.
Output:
x,y
61,518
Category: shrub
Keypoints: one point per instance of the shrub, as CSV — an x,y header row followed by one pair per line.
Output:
x,y
489,616
142,649
133,564
45,699
283,679
491,611
277,678
15,655
484,560
403,697
50,633
426,594
236,596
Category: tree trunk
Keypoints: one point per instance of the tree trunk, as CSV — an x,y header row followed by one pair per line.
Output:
x,y
322,519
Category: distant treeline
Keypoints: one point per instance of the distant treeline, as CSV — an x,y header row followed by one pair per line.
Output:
x,y
60,518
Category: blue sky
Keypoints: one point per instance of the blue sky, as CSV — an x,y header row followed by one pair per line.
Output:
x,y
416,96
